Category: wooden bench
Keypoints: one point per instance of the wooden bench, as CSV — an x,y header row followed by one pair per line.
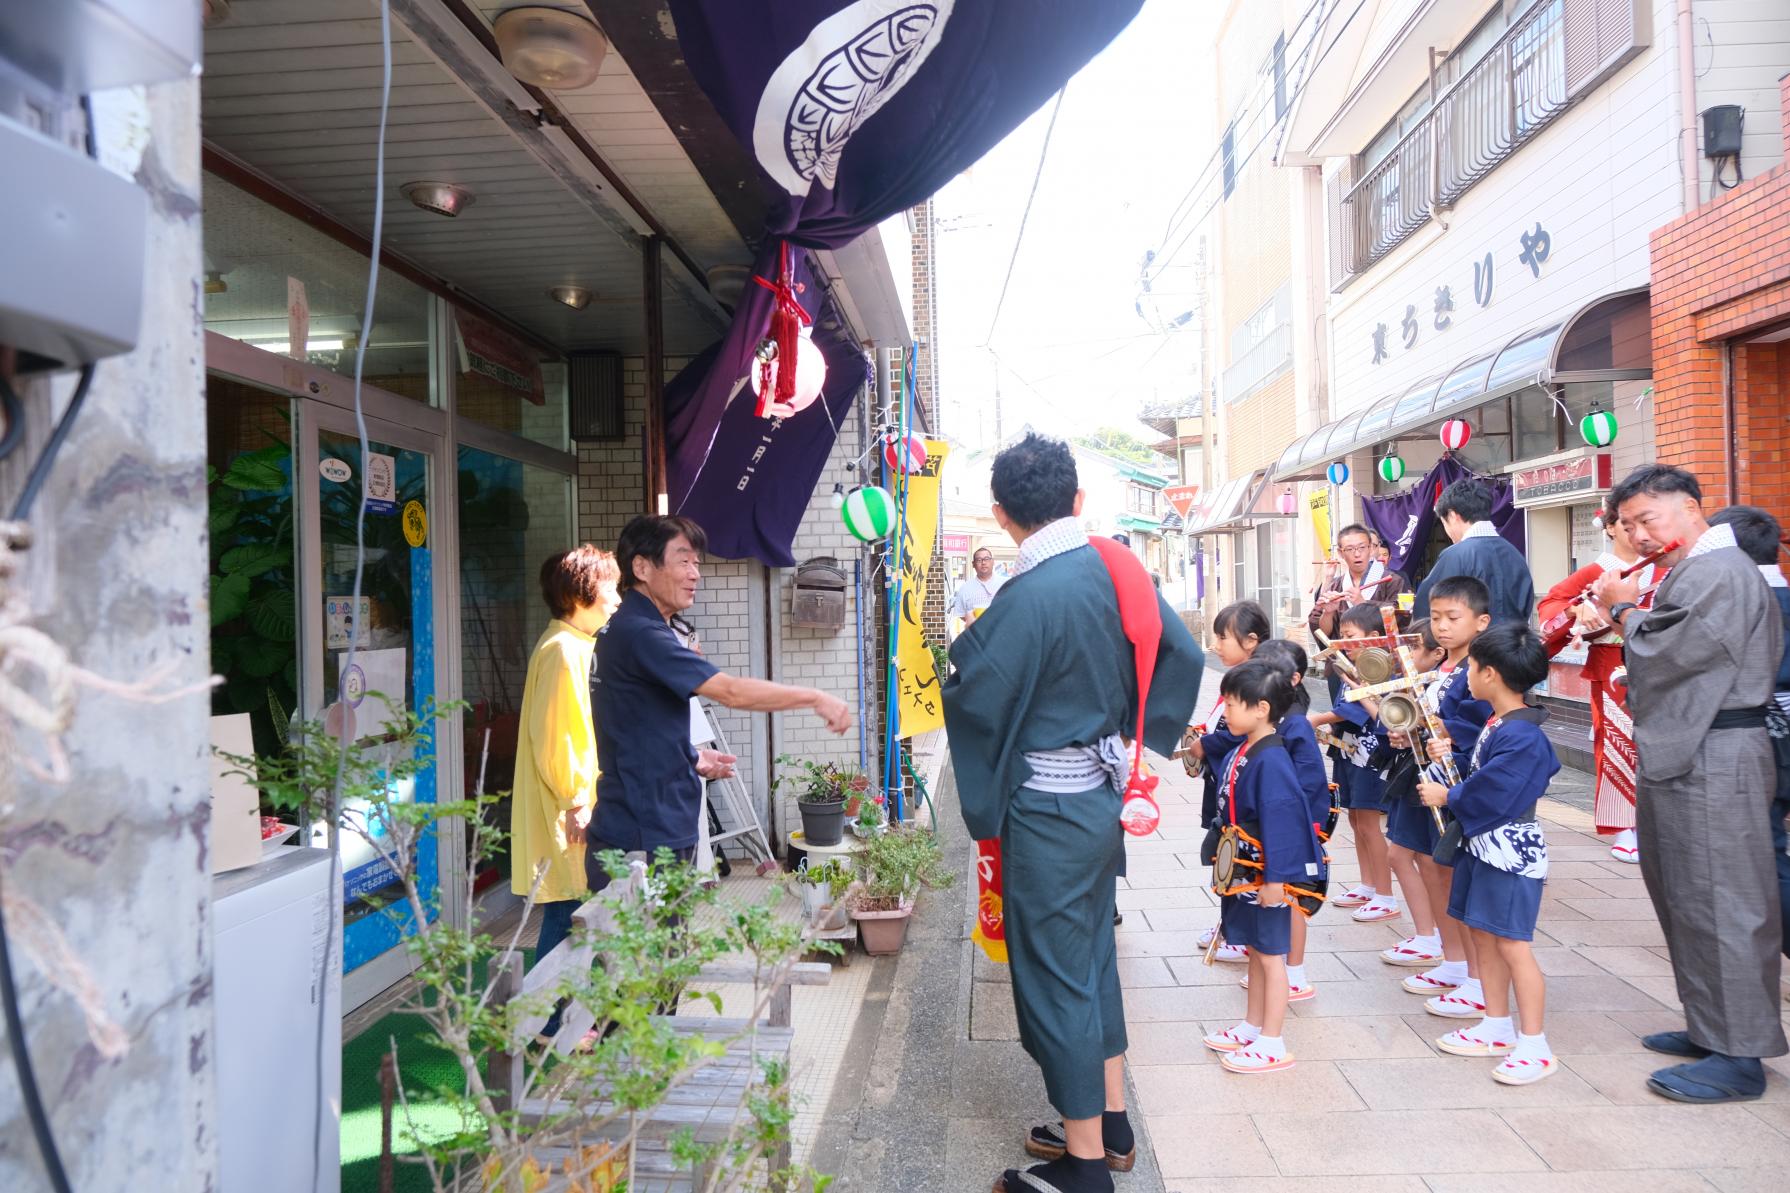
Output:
x,y
708,1102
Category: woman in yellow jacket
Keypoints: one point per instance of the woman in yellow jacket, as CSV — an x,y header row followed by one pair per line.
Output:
x,y
556,749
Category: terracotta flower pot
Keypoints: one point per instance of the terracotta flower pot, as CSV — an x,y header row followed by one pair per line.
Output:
x,y
883,931
823,824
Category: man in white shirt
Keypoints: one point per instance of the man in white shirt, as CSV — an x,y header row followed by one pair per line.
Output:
x,y
973,594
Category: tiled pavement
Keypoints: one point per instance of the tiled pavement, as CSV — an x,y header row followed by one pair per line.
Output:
x,y
1372,1103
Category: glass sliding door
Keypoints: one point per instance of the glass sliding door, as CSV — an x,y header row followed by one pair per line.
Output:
x,y
392,629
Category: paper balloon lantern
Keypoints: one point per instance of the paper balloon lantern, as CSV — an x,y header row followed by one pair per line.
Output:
x,y
1392,469
1289,502
868,513
1456,434
1338,473
1598,428
811,375
905,455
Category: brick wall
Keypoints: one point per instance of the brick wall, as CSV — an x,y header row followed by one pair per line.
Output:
x,y
926,381
1721,276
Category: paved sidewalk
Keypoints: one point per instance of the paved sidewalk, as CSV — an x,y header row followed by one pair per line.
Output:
x,y
1372,1104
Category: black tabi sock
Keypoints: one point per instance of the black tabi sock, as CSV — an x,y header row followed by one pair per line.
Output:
x,y
1072,1174
1115,1132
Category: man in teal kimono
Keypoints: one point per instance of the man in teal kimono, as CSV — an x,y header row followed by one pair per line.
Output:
x,y
1044,692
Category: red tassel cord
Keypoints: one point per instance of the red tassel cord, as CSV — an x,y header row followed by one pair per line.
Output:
x,y
776,356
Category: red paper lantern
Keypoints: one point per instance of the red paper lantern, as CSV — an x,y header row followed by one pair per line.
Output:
x,y
1456,434
905,455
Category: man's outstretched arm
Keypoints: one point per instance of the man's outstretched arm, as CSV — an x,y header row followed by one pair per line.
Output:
x,y
761,695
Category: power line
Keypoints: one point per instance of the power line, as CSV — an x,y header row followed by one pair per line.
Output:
x,y
1160,261
1026,214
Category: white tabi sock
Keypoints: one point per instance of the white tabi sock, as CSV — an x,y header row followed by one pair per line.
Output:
x,y
1533,1047
1471,989
1431,943
1245,1030
1273,1046
1450,971
1295,975
1495,1029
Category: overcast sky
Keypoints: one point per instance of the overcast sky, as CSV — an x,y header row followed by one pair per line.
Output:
x,y
1133,134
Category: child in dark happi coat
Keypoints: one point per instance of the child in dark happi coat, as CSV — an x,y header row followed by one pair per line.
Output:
x,y
1410,833
1359,786
1290,659
1463,614
1498,876
1261,795
1237,630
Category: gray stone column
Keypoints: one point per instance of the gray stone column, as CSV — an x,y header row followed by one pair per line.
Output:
x,y
115,857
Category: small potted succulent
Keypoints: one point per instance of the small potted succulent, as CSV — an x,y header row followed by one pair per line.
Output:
x,y
898,863
822,791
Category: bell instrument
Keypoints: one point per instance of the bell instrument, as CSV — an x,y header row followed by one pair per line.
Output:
x,y
1557,629
1431,722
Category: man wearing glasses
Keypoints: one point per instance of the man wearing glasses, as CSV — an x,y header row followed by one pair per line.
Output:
x,y
972,596
1363,578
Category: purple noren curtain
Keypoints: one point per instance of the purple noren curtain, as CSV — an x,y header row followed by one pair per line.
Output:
x,y
1406,520
917,90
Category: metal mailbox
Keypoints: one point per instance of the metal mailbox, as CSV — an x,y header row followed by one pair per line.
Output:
x,y
819,600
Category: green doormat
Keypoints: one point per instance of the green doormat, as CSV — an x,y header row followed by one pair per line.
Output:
x,y
425,1067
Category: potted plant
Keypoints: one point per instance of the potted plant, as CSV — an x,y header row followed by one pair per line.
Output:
x,y
898,863
823,893
823,789
867,813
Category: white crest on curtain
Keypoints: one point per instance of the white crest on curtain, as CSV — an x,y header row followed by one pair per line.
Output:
x,y
849,67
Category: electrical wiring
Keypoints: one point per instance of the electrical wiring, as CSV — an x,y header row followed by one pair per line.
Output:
x,y
345,740
29,1093
1161,261
1018,240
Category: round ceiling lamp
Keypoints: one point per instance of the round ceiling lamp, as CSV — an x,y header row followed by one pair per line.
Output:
x,y
443,198
576,297
550,47
728,282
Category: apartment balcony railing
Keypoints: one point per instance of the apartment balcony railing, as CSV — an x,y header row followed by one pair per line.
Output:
x,y
1259,364
1551,56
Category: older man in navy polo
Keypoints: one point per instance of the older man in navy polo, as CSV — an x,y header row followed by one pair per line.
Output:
x,y
649,791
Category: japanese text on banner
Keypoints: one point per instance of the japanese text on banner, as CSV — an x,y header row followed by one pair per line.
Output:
x,y
919,706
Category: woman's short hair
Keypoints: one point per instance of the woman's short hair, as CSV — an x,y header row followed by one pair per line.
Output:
x,y
573,578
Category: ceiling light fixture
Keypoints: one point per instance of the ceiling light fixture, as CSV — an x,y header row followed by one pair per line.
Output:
x,y
443,198
576,297
550,47
728,282
215,283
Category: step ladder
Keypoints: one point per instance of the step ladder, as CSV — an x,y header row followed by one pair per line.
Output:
x,y
733,801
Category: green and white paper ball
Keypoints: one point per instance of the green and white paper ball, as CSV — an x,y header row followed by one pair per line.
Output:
x,y
869,513
1598,428
1392,469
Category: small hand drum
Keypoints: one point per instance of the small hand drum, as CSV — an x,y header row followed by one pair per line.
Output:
x,y
1192,763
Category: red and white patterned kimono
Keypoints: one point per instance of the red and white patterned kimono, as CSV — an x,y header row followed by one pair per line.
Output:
x,y
1612,729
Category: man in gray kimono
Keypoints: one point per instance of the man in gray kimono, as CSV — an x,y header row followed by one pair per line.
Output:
x,y
1044,691
1701,666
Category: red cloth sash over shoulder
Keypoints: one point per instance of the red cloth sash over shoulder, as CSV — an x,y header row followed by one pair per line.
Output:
x,y
1140,615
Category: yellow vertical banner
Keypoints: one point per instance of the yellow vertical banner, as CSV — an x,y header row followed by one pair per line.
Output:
x,y
917,674
1319,503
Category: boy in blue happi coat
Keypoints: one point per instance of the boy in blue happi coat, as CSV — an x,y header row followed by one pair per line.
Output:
x,y
1260,794
1498,876
1359,785
1237,631
1290,659
1460,611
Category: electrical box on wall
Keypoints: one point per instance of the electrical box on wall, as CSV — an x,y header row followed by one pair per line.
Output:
x,y
71,261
